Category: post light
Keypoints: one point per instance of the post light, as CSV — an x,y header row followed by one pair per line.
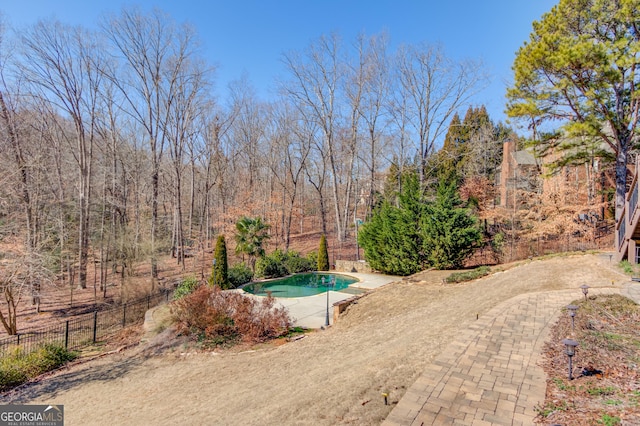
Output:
x,y
570,351
326,321
572,312
330,283
585,290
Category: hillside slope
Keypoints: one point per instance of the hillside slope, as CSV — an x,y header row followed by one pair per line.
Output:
x,y
336,376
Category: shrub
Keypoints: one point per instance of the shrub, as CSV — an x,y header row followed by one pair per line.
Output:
x,y
627,267
187,286
239,275
295,264
498,241
323,254
219,271
449,232
53,356
272,265
217,317
312,257
458,277
12,371
408,232
279,264
18,367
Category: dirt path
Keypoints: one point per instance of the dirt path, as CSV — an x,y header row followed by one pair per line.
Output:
x,y
381,344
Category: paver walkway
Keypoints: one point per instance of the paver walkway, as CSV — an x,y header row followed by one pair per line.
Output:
x,y
490,374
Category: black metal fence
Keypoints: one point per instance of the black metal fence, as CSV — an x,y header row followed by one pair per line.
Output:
x,y
86,329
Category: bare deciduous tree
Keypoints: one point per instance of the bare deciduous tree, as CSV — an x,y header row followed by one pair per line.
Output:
x,y
155,52
316,78
434,88
21,274
62,65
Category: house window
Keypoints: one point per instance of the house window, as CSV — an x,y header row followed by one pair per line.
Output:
x,y
637,260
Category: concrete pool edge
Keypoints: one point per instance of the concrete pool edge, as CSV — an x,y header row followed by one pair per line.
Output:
x,y
302,284
311,311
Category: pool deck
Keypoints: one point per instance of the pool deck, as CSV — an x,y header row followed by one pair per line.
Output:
x,y
311,311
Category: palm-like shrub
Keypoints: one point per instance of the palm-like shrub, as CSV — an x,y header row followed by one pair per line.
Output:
x,y
250,237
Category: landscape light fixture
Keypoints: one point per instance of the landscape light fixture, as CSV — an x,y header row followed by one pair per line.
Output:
x,y
585,290
572,313
330,283
326,320
570,351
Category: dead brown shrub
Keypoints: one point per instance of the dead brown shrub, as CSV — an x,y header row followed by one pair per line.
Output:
x,y
218,317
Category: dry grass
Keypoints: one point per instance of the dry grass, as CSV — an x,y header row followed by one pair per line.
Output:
x,y
336,376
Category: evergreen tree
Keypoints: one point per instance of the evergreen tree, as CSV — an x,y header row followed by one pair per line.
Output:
x,y
474,120
449,155
579,71
220,270
390,238
323,254
397,174
449,233
476,129
472,147
415,235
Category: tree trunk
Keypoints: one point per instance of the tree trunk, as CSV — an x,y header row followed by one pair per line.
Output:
x,y
22,169
154,219
621,181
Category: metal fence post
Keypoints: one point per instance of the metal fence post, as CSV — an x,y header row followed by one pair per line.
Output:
x,y
66,335
52,333
95,325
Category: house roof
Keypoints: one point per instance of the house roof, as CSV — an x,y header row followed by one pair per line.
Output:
x,y
524,158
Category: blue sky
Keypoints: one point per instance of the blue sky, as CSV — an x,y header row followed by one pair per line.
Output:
x,y
249,36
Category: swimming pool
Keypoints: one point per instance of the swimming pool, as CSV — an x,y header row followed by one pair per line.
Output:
x,y
300,285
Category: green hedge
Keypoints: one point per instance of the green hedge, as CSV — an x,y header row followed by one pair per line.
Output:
x,y
239,275
16,367
280,264
458,277
187,286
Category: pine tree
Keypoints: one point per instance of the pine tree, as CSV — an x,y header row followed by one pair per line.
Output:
x,y
220,269
578,73
323,254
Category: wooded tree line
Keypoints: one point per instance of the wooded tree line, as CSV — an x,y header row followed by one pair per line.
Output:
x,y
116,149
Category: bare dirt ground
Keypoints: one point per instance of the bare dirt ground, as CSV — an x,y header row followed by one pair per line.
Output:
x,y
335,376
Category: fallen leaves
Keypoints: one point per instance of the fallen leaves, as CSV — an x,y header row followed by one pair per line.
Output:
x,y
606,375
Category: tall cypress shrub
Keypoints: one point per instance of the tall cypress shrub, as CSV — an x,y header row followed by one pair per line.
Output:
x,y
220,270
391,238
323,255
450,233
416,234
